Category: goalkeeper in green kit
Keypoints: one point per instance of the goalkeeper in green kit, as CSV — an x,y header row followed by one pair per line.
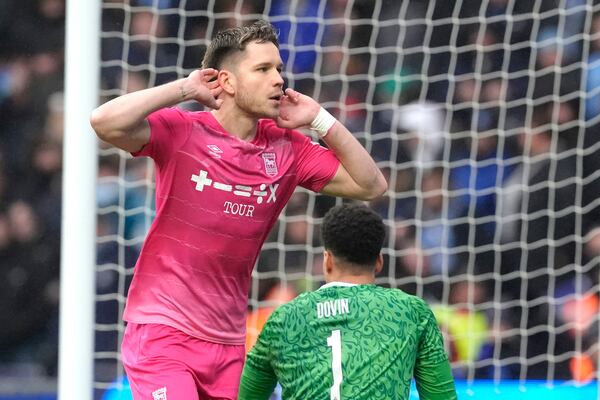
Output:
x,y
350,339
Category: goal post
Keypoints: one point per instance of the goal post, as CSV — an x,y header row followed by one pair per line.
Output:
x,y
78,237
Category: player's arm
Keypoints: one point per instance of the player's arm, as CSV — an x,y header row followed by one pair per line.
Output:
x,y
357,176
436,382
255,384
432,369
122,121
258,378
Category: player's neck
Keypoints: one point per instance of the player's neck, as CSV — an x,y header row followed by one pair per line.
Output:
x,y
353,279
236,124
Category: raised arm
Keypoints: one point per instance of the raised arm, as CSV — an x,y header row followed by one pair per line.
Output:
x,y
122,121
358,176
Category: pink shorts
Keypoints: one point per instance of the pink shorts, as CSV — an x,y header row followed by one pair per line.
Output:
x,y
163,363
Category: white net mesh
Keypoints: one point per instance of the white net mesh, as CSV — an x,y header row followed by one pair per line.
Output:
x,y
483,116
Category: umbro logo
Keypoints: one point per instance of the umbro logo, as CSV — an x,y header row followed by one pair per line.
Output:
x,y
215,151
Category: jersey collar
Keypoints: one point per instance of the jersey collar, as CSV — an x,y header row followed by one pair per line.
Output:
x,y
331,284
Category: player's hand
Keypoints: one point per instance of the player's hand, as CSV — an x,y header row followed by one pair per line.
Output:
x,y
201,85
296,110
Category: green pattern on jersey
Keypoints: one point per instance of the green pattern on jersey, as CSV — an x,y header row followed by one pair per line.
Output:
x,y
386,336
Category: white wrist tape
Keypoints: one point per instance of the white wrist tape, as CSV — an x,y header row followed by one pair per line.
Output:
x,y
322,122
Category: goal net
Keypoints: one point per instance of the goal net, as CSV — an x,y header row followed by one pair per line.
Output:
x,y
483,116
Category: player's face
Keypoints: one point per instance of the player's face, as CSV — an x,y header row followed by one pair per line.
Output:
x,y
259,84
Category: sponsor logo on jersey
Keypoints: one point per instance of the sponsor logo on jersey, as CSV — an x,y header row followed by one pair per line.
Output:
x,y
263,192
215,151
270,164
331,308
245,210
160,394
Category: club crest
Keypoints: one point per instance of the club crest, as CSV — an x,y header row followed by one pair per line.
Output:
x,y
270,164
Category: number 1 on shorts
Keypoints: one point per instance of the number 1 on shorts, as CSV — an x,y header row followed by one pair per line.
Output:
x,y
335,342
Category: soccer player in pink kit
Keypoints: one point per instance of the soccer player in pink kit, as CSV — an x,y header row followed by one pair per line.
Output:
x,y
222,178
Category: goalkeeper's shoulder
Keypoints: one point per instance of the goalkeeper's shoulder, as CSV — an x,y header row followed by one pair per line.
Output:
x,y
413,304
401,295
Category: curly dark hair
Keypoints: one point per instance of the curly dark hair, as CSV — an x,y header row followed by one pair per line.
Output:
x,y
233,40
353,233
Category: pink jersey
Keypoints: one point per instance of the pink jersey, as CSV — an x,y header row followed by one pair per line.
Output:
x,y
217,198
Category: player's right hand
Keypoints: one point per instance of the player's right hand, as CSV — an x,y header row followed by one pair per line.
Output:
x,y
202,86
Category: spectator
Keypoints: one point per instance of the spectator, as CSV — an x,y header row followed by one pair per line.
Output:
x,y
29,295
436,237
143,50
529,221
466,327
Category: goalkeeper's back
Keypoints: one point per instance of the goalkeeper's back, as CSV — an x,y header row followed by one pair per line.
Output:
x,y
350,339
382,337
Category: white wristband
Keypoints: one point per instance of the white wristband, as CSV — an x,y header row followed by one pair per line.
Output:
x,y
322,122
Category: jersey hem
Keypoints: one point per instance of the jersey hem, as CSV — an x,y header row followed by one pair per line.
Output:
x,y
187,331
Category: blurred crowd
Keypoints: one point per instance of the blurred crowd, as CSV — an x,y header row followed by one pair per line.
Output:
x,y
31,130
487,131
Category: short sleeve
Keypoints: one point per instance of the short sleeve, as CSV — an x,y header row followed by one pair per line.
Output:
x,y
169,130
316,165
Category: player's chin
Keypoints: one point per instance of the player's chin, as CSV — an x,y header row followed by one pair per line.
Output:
x,y
271,113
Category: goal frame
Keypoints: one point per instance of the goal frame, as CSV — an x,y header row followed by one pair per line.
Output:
x,y
78,234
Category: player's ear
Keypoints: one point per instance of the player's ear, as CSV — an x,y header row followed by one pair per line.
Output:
x,y
327,262
226,81
379,264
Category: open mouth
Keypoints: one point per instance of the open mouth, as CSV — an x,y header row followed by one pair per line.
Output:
x,y
275,98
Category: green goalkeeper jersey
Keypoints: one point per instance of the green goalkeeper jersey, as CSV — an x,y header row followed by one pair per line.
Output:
x,y
349,342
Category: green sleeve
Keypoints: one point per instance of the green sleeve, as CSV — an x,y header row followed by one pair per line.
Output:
x,y
432,369
436,383
258,378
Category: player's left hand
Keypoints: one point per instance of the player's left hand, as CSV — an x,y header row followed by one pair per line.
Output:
x,y
296,110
